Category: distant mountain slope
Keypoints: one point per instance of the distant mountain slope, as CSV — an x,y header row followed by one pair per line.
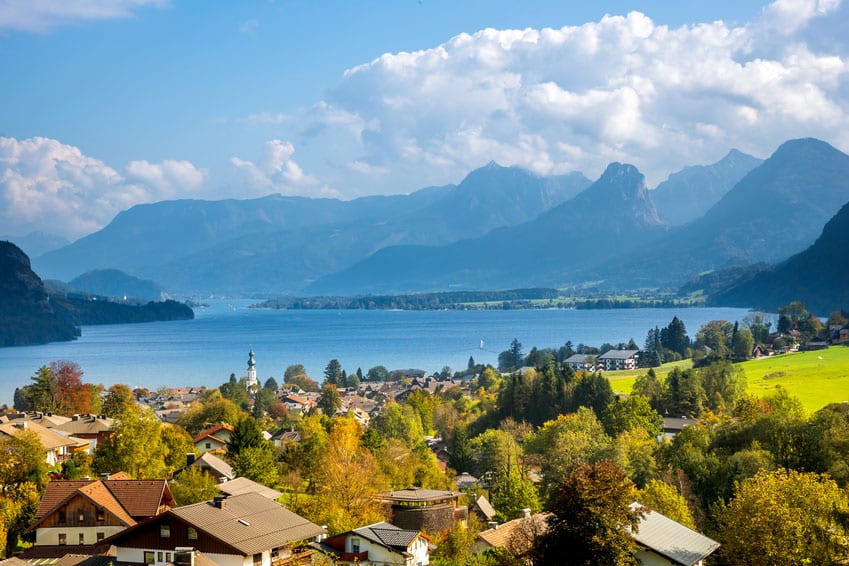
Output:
x,y
26,315
689,193
281,244
818,276
614,213
37,243
776,210
114,283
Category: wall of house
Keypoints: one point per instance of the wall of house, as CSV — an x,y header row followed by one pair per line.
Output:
x,y
136,556
50,535
648,558
80,512
431,519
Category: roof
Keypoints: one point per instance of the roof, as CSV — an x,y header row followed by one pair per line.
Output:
x,y
417,494
465,479
216,464
250,523
47,420
500,535
85,424
618,354
388,535
485,507
578,358
13,561
212,431
673,540
49,439
241,486
128,500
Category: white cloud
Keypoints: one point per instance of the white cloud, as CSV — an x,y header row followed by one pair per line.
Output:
x,y
276,172
50,186
249,26
43,15
623,88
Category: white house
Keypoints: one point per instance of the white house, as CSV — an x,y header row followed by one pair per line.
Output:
x,y
380,543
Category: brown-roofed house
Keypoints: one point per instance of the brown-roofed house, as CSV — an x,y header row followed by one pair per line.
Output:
x,y
85,512
213,438
57,448
231,531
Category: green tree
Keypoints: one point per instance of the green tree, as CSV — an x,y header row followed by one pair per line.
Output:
x,y
758,324
176,443
784,517
399,421
635,411
329,401
135,446
674,337
511,492
246,434
22,460
215,409
742,344
723,383
235,391
270,385
716,335
119,398
512,358
262,401
649,386
684,393
591,519
79,465
42,395
193,485
333,373
666,500
257,463
377,373
593,390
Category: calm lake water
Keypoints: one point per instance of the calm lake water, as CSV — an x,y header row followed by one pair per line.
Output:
x,y
206,350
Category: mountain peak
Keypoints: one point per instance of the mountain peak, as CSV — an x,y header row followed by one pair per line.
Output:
x,y
797,146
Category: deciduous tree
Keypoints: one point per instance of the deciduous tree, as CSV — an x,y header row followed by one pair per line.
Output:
x,y
193,485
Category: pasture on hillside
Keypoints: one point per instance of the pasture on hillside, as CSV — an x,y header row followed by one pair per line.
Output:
x,y
817,378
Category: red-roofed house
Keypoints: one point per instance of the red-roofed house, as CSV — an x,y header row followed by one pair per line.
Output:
x,y
213,438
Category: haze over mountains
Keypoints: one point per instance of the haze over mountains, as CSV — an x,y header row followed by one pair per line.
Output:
x,y
500,228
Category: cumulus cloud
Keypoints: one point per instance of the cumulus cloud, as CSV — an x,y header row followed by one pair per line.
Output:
x,y
53,187
623,88
44,15
275,172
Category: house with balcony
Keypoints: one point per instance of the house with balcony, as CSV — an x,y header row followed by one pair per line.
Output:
x,y
613,360
379,544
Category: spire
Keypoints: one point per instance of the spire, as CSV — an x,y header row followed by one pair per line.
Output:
x,y
251,381
251,362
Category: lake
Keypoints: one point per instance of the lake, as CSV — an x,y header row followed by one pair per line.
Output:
x,y
206,350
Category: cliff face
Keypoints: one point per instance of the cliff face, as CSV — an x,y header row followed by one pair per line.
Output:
x,y
26,314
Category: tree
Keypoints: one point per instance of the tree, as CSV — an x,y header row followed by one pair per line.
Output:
x,y
716,335
665,499
377,373
635,411
193,485
591,519
292,371
723,383
41,395
511,359
593,390
471,364
399,421
684,393
22,460
119,398
215,409
742,344
784,517
650,387
262,400
235,391
511,492
758,324
270,385
304,382
257,463
246,434
135,446
329,401
75,396
354,381
333,373
652,354
176,443
674,337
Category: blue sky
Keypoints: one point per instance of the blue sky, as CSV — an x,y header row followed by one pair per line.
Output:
x,y
106,104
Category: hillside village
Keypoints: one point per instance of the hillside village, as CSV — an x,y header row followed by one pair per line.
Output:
x,y
480,466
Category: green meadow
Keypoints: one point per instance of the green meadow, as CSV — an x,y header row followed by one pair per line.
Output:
x,y
816,378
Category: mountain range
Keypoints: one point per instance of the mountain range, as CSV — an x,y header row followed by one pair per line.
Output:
x,y
500,228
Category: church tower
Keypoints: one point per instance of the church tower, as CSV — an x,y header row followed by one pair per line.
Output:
x,y
252,382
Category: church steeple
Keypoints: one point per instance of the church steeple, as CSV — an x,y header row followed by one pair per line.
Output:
x,y
251,381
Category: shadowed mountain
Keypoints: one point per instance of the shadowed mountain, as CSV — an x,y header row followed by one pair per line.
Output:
x,y
114,283
282,244
689,193
37,243
776,210
817,276
614,213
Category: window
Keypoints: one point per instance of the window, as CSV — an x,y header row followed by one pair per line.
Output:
x,y
168,557
100,537
82,538
257,559
82,517
148,557
63,539
159,556
355,545
208,445
62,517
192,534
164,531
101,515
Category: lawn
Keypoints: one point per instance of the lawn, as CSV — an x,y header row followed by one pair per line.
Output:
x,y
816,378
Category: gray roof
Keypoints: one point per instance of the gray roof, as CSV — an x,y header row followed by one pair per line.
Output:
x,y
578,358
216,464
417,494
388,535
672,539
250,523
240,486
618,354
485,507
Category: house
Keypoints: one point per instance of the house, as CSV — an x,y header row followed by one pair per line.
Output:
x,y
93,428
613,360
57,448
674,425
664,542
418,509
380,543
47,420
581,362
761,351
85,512
483,509
213,465
213,438
516,535
240,530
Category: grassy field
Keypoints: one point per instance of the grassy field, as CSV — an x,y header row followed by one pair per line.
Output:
x,y
816,378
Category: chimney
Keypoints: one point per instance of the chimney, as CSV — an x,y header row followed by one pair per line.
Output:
x,y
526,512
219,501
492,525
190,458
24,425
323,534
104,476
75,418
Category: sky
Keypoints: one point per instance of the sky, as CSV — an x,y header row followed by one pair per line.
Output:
x,y
105,104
